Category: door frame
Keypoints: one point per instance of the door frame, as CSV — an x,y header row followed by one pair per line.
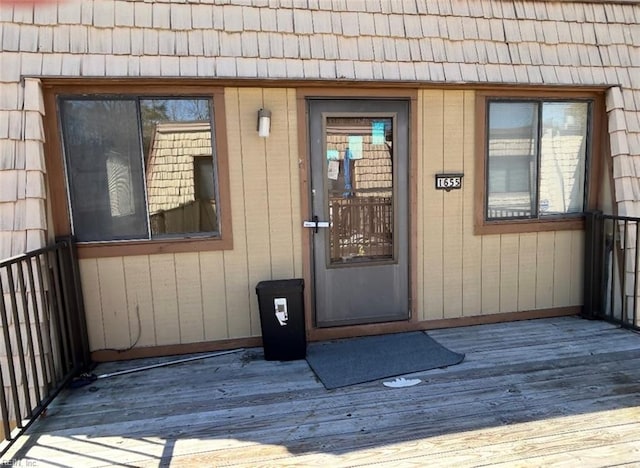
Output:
x,y
411,95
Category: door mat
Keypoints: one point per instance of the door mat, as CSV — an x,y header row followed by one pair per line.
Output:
x,y
352,361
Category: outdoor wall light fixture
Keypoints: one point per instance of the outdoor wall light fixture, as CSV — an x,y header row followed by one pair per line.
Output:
x,y
264,123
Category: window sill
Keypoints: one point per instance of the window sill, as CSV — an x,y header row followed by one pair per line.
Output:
x,y
528,225
151,247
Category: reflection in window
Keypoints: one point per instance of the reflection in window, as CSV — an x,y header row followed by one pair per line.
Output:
x,y
359,152
139,168
120,185
563,148
536,158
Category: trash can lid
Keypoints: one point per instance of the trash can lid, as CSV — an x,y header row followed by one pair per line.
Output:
x,y
281,285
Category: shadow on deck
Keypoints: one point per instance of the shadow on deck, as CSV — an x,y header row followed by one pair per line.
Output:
x,y
537,392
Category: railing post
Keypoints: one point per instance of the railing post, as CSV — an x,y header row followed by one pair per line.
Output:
x,y
83,334
592,265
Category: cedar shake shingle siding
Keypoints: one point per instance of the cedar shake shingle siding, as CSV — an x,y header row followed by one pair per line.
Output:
x,y
484,41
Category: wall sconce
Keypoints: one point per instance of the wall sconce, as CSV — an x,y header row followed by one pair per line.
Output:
x,y
264,122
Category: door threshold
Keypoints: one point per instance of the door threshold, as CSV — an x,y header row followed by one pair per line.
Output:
x,y
350,331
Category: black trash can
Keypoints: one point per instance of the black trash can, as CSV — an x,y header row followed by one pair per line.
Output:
x,y
282,319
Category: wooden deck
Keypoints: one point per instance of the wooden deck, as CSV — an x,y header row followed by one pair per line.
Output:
x,y
547,392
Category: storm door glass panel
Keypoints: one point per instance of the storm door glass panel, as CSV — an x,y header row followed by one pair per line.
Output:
x,y
563,151
104,170
512,166
179,165
359,153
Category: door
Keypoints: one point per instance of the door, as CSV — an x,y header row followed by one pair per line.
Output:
x,y
359,195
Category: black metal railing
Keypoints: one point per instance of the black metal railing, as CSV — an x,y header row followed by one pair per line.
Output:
x,y
611,282
43,336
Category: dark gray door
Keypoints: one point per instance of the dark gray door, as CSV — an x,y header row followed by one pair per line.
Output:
x,y
359,193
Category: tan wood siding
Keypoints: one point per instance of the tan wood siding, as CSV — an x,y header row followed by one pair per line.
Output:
x,y
256,208
295,162
490,275
189,292
432,204
452,215
91,294
115,317
462,274
562,269
577,267
183,298
137,276
472,245
527,271
213,281
544,269
509,270
235,261
278,194
165,300
419,299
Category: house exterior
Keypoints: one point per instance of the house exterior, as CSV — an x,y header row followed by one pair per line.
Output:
x,y
451,148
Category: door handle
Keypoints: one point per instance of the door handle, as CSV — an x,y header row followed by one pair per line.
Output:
x,y
315,224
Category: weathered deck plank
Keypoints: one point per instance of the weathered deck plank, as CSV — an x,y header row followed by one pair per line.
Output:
x,y
535,393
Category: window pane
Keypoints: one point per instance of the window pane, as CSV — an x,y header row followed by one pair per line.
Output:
x,y
360,188
562,157
511,185
179,166
102,149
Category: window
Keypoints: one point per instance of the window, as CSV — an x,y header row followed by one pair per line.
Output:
x,y
143,169
535,160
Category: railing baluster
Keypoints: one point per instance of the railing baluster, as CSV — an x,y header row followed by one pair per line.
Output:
x,y
623,288
69,307
38,323
613,270
82,333
19,343
4,408
605,269
27,327
591,256
52,319
9,352
635,276
46,315
59,314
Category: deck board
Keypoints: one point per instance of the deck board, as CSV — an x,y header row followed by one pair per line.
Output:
x,y
531,393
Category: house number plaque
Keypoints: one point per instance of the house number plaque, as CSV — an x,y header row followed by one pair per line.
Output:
x,y
448,181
